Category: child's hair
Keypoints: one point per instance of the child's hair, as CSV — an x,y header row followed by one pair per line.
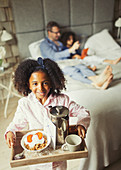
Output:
x,y
27,67
65,36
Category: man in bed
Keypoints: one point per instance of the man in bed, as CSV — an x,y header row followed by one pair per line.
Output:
x,y
52,48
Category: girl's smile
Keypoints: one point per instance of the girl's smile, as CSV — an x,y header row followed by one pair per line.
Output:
x,y
39,84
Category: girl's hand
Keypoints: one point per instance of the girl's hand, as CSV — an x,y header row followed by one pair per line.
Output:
x,y
10,139
74,47
81,131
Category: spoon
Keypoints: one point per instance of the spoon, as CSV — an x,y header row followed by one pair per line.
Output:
x,y
19,156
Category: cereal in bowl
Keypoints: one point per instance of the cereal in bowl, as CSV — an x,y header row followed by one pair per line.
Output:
x,y
35,141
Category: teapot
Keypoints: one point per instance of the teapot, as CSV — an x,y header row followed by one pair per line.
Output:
x,y
60,118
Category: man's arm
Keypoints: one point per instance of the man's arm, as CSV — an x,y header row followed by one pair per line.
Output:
x,y
48,52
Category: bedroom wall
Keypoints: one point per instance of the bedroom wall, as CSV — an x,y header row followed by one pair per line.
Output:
x,y
117,9
85,17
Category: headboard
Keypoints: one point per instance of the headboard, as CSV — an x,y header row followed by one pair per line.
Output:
x,y
84,17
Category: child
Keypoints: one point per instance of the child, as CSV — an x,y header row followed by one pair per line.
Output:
x,y
69,38
41,83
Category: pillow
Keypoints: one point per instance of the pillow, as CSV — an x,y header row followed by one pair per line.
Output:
x,y
34,49
91,51
101,41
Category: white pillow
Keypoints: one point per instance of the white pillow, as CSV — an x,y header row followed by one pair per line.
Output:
x,y
101,41
34,49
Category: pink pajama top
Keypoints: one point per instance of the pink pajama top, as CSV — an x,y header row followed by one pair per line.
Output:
x,y
31,112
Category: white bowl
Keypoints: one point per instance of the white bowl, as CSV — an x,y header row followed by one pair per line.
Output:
x,y
34,132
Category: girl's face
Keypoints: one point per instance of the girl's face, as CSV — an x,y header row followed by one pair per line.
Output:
x,y
70,41
39,84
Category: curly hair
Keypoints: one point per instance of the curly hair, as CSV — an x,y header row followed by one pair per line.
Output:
x,y
27,67
65,36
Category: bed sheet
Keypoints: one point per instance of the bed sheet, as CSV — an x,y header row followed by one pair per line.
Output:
x,y
103,138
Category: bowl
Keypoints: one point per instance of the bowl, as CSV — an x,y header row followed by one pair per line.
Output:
x,y
32,133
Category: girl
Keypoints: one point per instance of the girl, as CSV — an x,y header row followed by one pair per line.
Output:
x,y
41,83
69,38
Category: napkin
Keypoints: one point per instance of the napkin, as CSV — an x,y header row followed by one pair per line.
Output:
x,y
50,129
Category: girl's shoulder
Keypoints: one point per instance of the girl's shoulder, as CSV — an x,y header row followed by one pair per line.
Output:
x,y
27,99
23,100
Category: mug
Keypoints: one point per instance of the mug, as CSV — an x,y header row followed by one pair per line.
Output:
x,y
73,143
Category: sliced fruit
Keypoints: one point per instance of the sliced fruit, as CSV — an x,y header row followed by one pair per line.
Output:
x,y
39,134
29,138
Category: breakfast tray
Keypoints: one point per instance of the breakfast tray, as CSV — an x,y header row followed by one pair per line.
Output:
x,y
47,155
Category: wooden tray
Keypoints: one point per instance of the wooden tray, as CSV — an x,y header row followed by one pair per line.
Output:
x,y
47,155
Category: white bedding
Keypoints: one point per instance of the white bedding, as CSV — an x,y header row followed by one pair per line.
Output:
x,y
103,138
103,46
102,41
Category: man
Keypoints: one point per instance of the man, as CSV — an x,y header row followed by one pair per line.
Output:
x,y
52,48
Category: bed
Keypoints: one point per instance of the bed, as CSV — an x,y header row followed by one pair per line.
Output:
x,y
103,138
